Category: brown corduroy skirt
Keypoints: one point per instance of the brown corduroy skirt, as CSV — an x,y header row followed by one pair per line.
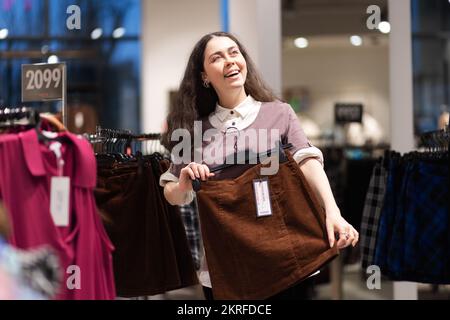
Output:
x,y
252,257
152,254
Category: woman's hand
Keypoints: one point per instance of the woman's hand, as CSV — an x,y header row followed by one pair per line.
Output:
x,y
191,172
336,224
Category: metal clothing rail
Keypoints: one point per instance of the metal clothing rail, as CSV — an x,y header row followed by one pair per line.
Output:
x,y
436,140
18,116
122,141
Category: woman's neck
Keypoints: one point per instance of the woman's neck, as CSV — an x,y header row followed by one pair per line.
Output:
x,y
232,99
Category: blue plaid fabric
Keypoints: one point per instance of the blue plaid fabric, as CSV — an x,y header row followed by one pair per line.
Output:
x,y
189,215
426,224
413,242
371,214
396,246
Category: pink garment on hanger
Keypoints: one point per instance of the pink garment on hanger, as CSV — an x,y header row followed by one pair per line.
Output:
x,y
84,249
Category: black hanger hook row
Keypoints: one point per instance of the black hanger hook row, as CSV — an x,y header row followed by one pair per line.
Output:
x,y
9,115
436,140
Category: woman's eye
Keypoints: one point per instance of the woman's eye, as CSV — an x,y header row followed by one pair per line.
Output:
x,y
214,59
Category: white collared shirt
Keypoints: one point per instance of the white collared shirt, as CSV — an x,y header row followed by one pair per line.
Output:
x,y
240,117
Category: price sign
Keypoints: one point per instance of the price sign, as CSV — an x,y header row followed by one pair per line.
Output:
x,y
43,82
347,112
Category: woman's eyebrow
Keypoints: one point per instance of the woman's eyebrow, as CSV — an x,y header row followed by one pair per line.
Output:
x,y
219,52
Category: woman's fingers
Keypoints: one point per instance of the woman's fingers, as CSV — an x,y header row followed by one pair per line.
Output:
x,y
347,237
194,168
341,243
208,173
200,171
355,237
330,232
189,172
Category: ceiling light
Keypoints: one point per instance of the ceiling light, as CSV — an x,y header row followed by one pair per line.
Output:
x,y
53,59
301,42
96,33
385,27
356,41
118,33
3,33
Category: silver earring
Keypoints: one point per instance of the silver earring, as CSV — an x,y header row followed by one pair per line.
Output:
x,y
206,84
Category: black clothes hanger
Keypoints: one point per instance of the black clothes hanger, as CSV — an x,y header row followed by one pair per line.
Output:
x,y
120,145
250,158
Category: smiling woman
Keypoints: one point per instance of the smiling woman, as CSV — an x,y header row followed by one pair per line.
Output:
x,y
244,215
196,99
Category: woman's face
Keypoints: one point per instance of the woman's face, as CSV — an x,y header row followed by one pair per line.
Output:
x,y
224,65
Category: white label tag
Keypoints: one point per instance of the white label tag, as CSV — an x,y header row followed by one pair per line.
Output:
x,y
262,197
59,200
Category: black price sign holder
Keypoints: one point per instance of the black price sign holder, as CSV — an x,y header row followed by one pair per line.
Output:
x,y
45,82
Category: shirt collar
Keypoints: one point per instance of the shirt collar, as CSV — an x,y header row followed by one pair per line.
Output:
x,y
241,109
85,174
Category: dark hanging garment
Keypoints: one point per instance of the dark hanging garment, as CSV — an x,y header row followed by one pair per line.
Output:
x,y
152,254
388,213
358,175
251,257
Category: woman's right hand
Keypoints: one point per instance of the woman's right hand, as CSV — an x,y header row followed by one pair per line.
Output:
x,y
191,172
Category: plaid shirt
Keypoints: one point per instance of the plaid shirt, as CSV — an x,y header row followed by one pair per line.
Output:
x,y
371,214
189,215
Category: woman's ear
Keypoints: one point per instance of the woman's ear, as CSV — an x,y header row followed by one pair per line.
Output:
x,y
204,76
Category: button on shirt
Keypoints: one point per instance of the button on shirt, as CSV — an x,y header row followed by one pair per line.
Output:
x,y
239,117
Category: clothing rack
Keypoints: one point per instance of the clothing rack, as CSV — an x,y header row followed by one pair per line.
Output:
x,y
125,141
11,117
437,141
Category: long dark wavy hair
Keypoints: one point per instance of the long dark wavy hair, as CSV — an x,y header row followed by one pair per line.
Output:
x,y
193,101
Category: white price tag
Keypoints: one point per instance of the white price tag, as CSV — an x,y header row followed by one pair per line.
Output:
x,y
59,200
262,197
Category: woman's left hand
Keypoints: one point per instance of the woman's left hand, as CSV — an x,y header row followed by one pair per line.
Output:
x,y
336,225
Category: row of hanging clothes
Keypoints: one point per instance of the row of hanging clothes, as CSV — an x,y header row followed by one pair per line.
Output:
x,y
152,253
47,181
405,228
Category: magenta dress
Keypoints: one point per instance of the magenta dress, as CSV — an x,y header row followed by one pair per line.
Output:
x,y
83,247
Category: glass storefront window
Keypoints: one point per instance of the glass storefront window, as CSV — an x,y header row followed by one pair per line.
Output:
x,y
431,62
103,72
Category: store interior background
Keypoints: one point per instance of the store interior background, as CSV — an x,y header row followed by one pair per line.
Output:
x,y
129,57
